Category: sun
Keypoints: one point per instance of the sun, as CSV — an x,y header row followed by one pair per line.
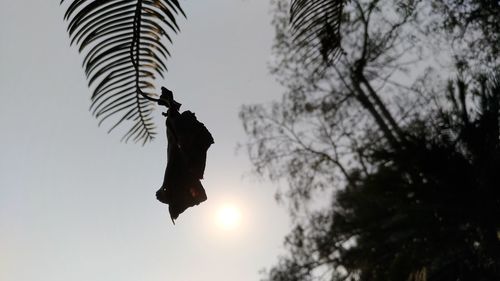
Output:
x,y
228,217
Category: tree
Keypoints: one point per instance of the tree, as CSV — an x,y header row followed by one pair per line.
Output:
x,y
395,149
428,211
328,109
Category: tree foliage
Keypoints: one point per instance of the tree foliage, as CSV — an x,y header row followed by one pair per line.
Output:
x,y
427,212
321,120
316,28
408,160
474,24
124,53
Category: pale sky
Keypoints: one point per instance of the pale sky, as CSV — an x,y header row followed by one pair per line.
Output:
x,y
76,204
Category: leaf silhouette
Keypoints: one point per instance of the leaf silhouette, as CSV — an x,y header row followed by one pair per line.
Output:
x,y
123,55
316,28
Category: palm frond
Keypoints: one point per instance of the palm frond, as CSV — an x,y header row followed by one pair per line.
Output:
x,y
124,54
316,28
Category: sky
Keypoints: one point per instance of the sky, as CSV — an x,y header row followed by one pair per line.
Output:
x,y
77,204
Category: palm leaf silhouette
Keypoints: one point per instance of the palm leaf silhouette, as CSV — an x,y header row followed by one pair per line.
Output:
x,y
124,53
316,28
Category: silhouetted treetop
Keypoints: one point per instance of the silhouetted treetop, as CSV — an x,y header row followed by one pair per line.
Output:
x,y
388,156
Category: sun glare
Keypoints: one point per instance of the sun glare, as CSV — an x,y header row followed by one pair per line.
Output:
x,y
228,217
